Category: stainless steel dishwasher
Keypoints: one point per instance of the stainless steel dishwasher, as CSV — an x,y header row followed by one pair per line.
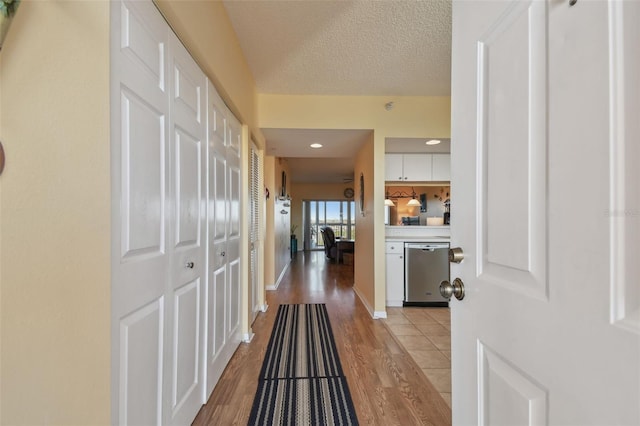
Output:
x,y
426,265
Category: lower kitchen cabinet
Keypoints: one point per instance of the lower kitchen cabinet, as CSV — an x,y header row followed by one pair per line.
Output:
x,y
395,273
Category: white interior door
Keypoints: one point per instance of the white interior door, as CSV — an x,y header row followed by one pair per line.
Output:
x,y
188,272
141,248
547,209
217,231
222,337
234,293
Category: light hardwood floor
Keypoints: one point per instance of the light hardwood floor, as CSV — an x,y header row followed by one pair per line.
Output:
x,y
386,384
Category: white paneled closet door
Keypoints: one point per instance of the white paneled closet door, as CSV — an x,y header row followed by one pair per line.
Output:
x,y
141,247
234,134
217,238
188,269
222,330
175,223
158,110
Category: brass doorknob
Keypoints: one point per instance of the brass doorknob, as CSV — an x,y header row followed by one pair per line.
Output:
x,y
456,289
456,255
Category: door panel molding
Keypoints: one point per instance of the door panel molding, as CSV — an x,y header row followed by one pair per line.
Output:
x,y
624,200
138,41
188,184
142,360
186,348
188,93
522,401
512,134
142,188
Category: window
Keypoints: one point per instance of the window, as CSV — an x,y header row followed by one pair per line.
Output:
x,y
339,215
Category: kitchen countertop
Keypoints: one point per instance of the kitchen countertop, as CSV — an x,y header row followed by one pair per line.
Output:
x,y
417,233
419,238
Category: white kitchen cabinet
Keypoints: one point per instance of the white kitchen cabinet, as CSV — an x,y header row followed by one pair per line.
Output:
x,y
407,167
417,167
441,167
395,273
393,167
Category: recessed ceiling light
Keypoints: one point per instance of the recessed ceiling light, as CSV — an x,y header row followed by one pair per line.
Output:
x,y
316,145
433,142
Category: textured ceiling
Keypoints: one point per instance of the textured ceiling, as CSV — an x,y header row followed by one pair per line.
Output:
x,y
346,47
360,48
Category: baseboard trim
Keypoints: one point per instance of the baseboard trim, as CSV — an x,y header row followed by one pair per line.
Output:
x,y
380,315
374,314
247,337
275,286
364,302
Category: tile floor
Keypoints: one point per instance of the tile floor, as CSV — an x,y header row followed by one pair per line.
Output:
x,y
426,334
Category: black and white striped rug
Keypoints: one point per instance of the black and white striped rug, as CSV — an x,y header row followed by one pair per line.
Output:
x,y
301,381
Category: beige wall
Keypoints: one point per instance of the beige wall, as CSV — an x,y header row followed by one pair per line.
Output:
x,y
269,183
364,272
410,117
277,239
55,215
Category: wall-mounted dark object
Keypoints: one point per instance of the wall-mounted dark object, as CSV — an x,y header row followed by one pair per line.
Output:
x,y
362,194
1,158
283,191
423,203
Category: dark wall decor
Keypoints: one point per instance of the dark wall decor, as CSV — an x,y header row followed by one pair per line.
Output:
x,y
283,191
362,194
1,158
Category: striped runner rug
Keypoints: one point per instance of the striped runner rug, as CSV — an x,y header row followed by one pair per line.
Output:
x,y
301,381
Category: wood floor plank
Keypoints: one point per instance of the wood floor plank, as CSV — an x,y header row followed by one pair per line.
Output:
x,y
386,385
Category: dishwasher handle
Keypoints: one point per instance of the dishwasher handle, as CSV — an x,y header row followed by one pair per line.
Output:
x,y
426,246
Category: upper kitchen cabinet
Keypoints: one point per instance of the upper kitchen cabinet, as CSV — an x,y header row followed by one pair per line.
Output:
x,y
417,167
407,167
441,167
393,168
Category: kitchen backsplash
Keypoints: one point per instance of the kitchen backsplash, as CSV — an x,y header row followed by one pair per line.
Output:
x,y
435,197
